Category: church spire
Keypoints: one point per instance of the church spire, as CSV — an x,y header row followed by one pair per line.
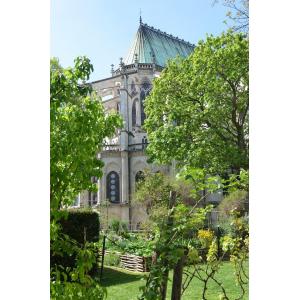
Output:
x,y
141,17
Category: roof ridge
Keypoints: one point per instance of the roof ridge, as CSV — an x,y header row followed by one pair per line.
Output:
x,y
167,34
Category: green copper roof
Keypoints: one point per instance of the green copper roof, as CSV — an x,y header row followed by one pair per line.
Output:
x,y
152,44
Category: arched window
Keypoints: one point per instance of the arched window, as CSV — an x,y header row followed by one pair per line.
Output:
x,y
143,96
112,187
133,89
146,85
134,112
143,116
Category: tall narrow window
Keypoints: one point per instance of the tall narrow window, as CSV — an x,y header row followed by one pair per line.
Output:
x,y
93,196
112,187
143,116
134,112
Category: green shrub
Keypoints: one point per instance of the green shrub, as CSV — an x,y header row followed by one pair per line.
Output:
x,y
236,200
82,225
118,226
112,259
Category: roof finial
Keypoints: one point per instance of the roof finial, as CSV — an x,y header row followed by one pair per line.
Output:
x,y
112,69
140,16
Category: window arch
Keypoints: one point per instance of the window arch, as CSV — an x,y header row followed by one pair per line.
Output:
x,y
134,112
133,88
112,187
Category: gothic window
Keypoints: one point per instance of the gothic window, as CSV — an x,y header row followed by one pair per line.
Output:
x,y
93,196
118,107
145,91
143,116
134,112
146,85
112,187
133,89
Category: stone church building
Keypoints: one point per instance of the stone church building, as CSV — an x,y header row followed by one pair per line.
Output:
x,y
125,91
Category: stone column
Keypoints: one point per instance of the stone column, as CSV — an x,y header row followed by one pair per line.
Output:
x,y
124,177
138,112
124,138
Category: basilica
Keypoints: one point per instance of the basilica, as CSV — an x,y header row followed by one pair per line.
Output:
x,y
124,92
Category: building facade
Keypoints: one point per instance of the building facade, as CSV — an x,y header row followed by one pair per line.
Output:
x,y
124,92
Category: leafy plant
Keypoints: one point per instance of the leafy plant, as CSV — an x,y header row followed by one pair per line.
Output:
x,y
78,127
236,200
197,111
112,259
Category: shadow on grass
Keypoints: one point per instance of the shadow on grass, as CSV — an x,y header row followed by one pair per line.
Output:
x,y
114,277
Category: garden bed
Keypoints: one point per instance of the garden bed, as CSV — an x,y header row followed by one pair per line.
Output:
x,y
126,261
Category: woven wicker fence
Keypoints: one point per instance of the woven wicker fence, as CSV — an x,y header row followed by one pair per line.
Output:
x,y
131,262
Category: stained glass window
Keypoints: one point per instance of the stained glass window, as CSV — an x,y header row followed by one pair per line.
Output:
x,y
134,112
112,187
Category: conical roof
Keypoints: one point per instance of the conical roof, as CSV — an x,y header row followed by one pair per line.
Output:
x,y
150,42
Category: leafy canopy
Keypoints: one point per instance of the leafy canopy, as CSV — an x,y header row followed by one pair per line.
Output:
x,y
78,126
197,112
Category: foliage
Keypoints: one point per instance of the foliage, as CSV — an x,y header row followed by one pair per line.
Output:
x,y
173,240
124,284
197,112
237,200
72,291
153,192
206,236
238,13
78,127
182,232
235,244
112,259
82,225
131,243
118,226
74,282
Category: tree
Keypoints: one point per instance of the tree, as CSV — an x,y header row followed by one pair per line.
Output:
x,y
197,112
238,13
78,126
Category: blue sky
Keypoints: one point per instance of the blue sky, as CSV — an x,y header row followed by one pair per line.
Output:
x,y
103,30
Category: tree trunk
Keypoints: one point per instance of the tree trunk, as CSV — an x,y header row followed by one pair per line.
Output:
x,y
164,284
177,278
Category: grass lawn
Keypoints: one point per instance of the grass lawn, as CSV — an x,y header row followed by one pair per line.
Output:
x,y
124,285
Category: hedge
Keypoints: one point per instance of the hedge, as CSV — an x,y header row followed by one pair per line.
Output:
x,y
79,221
81,224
